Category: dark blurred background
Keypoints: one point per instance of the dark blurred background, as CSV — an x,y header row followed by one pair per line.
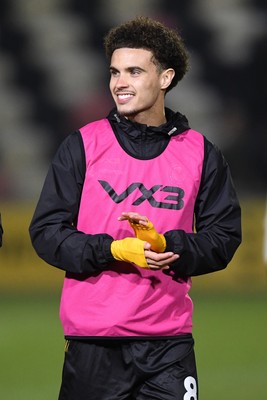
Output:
x,y
54,79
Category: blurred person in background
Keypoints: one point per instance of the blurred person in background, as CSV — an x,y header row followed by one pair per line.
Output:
x,y
132,207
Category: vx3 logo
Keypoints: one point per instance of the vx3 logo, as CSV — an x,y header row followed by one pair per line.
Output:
x,y
175,198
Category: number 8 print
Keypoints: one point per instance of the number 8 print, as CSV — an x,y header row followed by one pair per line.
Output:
x,y
191,388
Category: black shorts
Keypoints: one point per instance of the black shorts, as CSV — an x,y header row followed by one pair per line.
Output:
x,y
130,370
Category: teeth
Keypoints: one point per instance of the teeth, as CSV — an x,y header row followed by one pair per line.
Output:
x,y
124,96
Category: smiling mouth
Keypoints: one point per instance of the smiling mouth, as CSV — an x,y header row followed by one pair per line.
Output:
x,y
124,96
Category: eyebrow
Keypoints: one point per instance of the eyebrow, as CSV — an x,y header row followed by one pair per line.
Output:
x,y
111,68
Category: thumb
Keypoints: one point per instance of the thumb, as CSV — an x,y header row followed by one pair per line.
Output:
x,y
147,246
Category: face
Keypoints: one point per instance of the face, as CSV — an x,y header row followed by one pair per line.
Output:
x,y
137,86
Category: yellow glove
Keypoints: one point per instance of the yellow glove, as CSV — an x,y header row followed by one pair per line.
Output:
x,y
149,234
129,250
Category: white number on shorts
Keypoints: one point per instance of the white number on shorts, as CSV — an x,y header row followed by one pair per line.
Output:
x,y
191,388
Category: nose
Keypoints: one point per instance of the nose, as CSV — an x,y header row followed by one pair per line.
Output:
x,y
121,81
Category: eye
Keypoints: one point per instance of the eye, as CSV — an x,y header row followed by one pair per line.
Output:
x,y
136,71
114,72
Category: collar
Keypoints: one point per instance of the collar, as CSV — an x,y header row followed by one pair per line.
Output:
x,y
176,124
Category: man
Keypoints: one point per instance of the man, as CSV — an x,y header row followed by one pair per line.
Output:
x,y
133,206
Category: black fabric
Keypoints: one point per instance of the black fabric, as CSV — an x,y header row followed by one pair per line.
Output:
x,y
136,370
217,222
146,142
53,227
217,212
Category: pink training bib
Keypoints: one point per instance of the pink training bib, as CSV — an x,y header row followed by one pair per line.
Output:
x,y
127,300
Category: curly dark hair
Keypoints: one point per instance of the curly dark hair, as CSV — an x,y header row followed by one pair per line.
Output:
x,y
166,44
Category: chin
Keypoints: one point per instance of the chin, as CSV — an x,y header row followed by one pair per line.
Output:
x,y
127,113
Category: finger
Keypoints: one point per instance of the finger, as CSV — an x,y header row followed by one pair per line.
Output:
x,y
138,220
157,268
134,217
143,221
124,216
147,246
131,215
157,257
161,263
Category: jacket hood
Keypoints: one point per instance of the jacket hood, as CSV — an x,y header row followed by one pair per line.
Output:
x,y
146,142
176,124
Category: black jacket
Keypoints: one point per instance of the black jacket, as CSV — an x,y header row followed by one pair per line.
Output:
x,y
217,211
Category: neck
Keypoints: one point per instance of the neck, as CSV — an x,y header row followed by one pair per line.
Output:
x,y
155,119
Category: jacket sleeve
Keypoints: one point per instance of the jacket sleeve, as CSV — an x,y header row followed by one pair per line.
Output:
x,y
53,227
217,232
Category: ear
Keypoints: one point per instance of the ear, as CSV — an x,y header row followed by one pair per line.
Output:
x,y
166,77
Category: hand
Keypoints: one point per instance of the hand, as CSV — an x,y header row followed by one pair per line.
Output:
x,y
136,251
130,250
160,261
145,230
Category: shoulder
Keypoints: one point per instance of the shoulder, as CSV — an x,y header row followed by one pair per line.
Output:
x,y
70,155
94,126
